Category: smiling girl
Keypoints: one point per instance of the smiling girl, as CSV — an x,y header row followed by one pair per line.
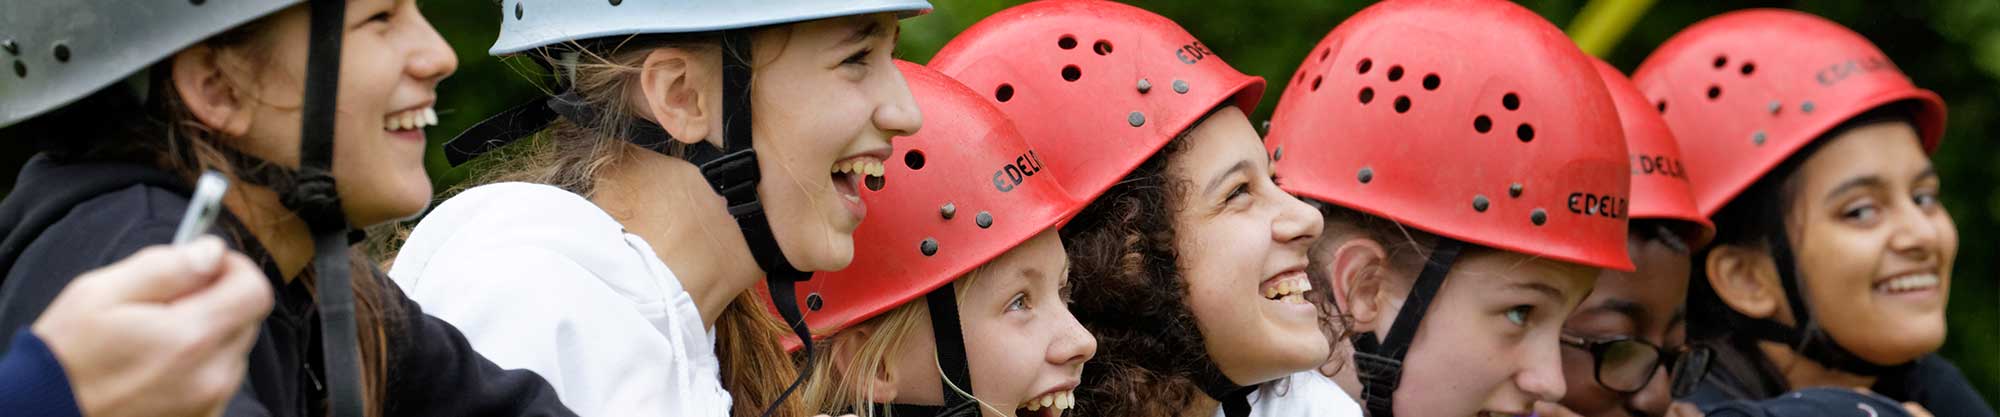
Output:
x,y
1189,263
1833,256
616,249
1474,179
955,304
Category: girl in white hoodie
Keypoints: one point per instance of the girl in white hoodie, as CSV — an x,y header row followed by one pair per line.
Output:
x,y
616,250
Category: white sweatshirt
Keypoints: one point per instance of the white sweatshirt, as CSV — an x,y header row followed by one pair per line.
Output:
x,y
542,279
1302,394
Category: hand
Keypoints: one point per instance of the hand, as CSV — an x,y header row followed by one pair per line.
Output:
x,y
165,332
1681,409
1916,410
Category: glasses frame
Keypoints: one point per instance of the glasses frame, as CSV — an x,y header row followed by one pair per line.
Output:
x,y
1686,365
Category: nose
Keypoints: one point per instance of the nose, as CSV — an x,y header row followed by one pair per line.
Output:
x,y
1073,345
898,113
1297,222
431,59
1541,375
1654,399
1917,233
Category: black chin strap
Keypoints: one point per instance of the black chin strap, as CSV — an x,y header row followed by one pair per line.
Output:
x,y
1808,338
317,201
1235,398
1381,363
952,361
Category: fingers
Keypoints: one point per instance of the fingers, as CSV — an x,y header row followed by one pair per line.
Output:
x,y
1916,410
239,297
1681,409
157,273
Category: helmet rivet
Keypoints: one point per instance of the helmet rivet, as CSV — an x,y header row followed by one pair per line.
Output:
x,y
1774,107
814,302
984,220
10,46
1180,86
929,246
1757,138
616,2
517,11
1136,119
1806,107
1366,175
1479,203
1266,126
950,210
1539,216
1514,191
1279,153
62,53
1145,86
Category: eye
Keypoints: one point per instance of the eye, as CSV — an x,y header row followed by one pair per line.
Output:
x,y
1018,303
1926,199
379,17
1241,190
1519,314
1860,212
859,57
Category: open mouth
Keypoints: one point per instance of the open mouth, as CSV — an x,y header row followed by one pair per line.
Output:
x,y
1289,287
850,174
412,119
1500,414
1909,283
1048,405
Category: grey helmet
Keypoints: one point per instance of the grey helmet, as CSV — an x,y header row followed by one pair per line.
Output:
x,y
62,51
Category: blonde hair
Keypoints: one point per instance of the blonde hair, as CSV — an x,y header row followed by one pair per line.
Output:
x,y
841,390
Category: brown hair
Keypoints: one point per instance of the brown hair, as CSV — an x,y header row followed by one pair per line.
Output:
x,y
152,126
1130,294
572,156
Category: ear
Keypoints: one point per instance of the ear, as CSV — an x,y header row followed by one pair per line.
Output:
x,y
208,92
672,81
1746,279
880,385
1359,283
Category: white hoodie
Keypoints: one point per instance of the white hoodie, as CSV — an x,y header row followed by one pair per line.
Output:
x,y
542,279
1302,394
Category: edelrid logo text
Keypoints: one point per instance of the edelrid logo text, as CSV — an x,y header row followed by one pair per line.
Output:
x,y
1192,53
1657,165
1012,175
1597,205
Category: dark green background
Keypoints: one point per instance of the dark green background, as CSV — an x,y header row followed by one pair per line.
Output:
x,y
1952,47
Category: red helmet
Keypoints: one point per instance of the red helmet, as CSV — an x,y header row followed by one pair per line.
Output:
x,y
1660,187
1104,83
961,192
1506,138
1744,90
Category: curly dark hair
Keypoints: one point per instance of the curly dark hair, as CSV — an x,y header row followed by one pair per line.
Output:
x,y
1129,293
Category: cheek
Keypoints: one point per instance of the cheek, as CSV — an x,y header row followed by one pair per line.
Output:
x,y
1003,355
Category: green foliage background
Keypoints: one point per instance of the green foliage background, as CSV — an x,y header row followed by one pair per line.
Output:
x,y
1950,46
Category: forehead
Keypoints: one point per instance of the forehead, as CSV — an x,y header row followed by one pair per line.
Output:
x,y
1222,139
1889,148
1502,270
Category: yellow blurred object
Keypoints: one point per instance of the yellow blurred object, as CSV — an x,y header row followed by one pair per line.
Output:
x,y
1602,23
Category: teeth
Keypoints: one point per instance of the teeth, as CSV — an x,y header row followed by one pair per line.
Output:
x,y
1911,283
410,119
1295,286
1055,400
862,166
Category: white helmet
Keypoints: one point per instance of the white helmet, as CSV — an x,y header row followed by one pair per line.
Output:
x,y
530,24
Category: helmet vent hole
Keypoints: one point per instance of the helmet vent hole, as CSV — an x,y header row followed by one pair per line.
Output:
x,y
1316,80
1482,124
20,69
1067,42
1749,68
1102,47
1395,73
1714,92
914,159
874,182
1324,52
197,2
1721,61
1402,104
1071,73
62,53
1526,133
1364,66
1004,93
517,11
1511,101
615,3
1662,105
1431,82
1367,95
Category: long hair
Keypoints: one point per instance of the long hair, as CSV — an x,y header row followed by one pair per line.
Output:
x,y
152,126
1758,216
573,155
836,390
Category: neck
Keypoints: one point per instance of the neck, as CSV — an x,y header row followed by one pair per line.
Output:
x,y
1801,372
1202,406
284,236
665,201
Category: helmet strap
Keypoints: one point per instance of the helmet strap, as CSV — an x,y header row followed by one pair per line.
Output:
x,y
314,197
1808,339
951,359
1381,362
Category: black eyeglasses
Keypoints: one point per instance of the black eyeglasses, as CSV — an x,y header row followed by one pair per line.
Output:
x,y
1626,365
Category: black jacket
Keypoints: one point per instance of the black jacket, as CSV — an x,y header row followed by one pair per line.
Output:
x,y
63,219
1931,382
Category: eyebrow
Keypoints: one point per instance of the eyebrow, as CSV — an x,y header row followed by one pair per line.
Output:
x,y
1545,289
1874,181
1217,182
863,33
1626,307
